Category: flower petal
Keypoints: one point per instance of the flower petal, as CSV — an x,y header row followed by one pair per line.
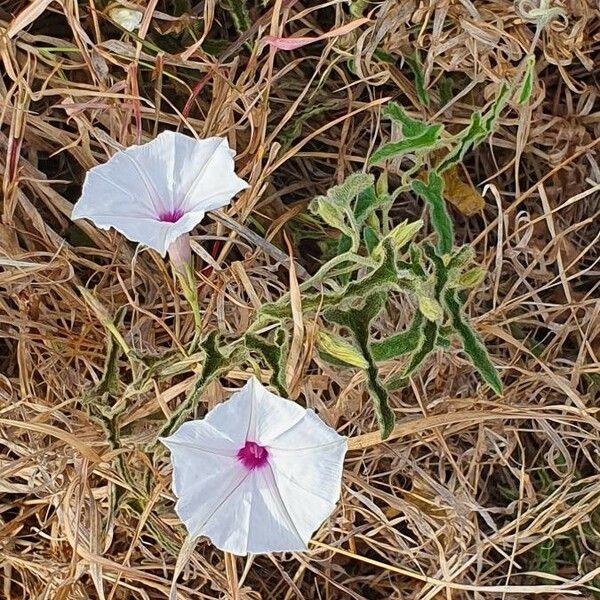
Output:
x,y
254,519
271,527
307,462
205,173
272,415
254,414
204,502
232,417
308,433
203,436
206,471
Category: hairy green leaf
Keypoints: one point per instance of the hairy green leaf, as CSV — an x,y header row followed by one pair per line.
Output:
x,y
416,67
471,343
371,238
215,363
461,257
478,130
471,278
400,344
334,216
364,203
369,201
430,308
427,339
474,134
344,194
109,382
274,356
331,346
428,140
490,119
410,127
432,193
239,13
358,321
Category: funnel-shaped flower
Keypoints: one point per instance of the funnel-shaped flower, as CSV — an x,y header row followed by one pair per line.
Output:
x,y
257,474
159,191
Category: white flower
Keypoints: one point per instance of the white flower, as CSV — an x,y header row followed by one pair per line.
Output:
x,y
157,192
257,474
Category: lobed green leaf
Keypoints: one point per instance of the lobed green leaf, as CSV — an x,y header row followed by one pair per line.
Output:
x,y
358,321
274,356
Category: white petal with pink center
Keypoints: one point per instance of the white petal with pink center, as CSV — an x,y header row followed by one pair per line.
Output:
x,y
159,191
258,474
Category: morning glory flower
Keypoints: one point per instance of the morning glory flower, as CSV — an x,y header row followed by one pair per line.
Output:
x,y
258,474
158,192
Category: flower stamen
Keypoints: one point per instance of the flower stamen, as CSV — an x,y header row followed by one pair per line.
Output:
x,y
253,456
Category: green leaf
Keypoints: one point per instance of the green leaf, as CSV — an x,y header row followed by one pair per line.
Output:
x,y
364,203
404,232
479,129
357,7
441,270
490,119
294,130
344,244
109,382
336,208
340,350
382,279
471,278
474,134
410,127
218,359
430,308
358,321
432,193
239,13
464,255
471,343
442,341
445,85
428,339
428,140
333,216
527,83
428,336
416,67
274,356
416,257
400,344
369,201
371,238
344,194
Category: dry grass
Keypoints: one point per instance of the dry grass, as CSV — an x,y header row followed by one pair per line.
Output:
x,y
474,496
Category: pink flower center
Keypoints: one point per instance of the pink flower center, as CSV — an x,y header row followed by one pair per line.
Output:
x,y
171,216
253,456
